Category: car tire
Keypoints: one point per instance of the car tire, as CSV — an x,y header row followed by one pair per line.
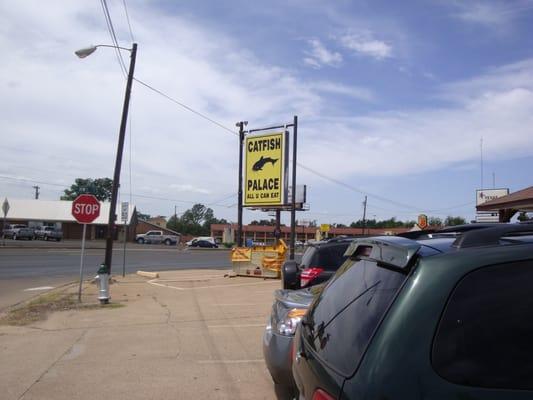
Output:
x,y
14,237
45,238
167,242
140,241
284,393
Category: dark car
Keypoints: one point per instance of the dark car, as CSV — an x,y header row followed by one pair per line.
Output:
x,y
438,318
203,243
287,311
319,262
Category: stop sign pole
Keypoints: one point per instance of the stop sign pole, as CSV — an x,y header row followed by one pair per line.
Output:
x,y
85,209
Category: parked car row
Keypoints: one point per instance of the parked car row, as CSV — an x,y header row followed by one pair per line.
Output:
x,y
20,231
441,315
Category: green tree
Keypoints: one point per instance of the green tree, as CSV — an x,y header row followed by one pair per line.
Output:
x,y
140,215
452,221
100,187
434,221
195,221
523,216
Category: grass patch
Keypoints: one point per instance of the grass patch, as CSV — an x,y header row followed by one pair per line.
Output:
x,y
39,308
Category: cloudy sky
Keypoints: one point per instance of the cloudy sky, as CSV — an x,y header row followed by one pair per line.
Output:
x,y
395,100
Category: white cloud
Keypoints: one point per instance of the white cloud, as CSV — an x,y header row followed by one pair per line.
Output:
x,y
496,106
363,43
319,55
354,92
495,14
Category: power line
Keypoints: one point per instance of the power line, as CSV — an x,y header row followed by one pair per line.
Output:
x,y
355,189
323,176
186,107
111,30
128,19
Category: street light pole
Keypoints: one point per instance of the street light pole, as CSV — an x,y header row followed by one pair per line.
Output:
x,y
118,164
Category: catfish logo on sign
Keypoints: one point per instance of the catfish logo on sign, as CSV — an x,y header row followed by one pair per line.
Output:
x,y
265,170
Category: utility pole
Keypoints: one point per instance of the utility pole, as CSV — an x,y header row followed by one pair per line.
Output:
x,y
293,205
118,164
239,202
36,192
364,215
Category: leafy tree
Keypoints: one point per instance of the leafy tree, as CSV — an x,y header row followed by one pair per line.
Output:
x,y
100,187
434,221
451,221
523,216
264,222
387,223
140,215
195,221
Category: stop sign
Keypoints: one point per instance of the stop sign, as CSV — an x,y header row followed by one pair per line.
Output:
x,y
86,208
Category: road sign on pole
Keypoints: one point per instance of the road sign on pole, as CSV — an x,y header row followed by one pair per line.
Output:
x,y
85,208
124,207
5,209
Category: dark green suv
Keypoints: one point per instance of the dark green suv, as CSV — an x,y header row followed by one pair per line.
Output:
x,y
445,317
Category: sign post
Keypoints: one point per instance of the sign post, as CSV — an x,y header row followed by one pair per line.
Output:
x,y
5,209
124,218
85,209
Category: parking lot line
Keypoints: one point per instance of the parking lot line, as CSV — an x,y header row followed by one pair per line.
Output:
x,y
230,361
237,326
155,282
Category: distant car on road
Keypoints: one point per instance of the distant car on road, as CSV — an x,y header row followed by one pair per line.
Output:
x,y
18,231
156,237
204,244
206,238
48,233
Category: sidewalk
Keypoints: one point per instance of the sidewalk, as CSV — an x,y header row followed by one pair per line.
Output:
x,y
187,335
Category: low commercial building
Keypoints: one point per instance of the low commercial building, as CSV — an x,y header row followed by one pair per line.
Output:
x,y
58,213
508,206
227,233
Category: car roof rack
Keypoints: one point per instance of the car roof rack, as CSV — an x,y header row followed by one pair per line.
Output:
x,y
491,235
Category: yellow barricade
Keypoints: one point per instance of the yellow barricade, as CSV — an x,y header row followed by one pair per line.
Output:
x,y
259,261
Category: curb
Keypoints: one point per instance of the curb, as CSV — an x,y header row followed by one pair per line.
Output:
x,y
146,274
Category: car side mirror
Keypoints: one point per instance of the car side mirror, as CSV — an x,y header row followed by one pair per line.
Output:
x,y
290,275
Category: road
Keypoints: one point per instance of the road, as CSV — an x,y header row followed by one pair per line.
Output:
x,y
25,272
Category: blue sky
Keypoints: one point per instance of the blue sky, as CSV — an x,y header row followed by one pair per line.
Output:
x,y
393,99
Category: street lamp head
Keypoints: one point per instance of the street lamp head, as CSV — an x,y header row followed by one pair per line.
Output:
x,y
82,53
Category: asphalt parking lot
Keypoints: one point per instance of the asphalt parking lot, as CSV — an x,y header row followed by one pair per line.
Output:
x,y
188,334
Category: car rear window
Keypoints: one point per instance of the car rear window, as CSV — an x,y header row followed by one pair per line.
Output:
x,y
329,257
341,322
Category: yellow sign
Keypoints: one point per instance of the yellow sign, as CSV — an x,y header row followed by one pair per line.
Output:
x,y
422,221
324,227
264,179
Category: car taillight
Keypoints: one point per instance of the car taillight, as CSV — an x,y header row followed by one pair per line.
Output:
x,y
309,274
321,395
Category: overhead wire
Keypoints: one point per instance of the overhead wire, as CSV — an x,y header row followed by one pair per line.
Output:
x,y
128,19
201,115
113,35
323,176
185,106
